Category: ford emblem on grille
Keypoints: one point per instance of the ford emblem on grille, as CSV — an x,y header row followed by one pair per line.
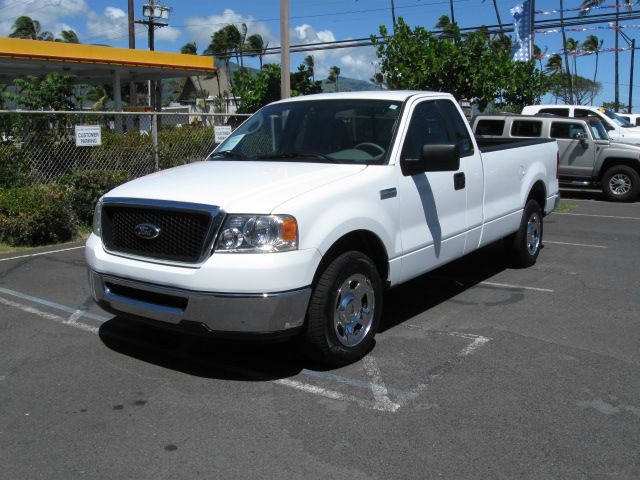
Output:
x,y
147,231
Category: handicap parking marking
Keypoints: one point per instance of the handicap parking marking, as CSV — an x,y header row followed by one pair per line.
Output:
x,y
379,397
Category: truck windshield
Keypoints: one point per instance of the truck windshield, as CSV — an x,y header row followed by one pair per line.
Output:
x,y
597,130
623,122
334,131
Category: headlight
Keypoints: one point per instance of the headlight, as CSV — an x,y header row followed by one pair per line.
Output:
x,y
258,234
97,219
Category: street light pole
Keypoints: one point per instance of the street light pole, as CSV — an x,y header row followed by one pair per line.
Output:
x,y
285,68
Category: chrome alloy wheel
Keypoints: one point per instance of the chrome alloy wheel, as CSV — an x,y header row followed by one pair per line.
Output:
x,y
533,233
620,184
354,310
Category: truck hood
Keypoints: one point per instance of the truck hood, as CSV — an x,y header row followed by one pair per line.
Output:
x,y
236,186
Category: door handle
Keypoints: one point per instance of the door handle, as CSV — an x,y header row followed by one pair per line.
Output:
x,y
459,181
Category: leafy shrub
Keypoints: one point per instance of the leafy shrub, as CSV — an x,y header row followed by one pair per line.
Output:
x,y
14,165
36,215
177,146
85,187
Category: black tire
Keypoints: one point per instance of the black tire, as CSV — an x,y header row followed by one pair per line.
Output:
x,y
621,183
353,276
524,246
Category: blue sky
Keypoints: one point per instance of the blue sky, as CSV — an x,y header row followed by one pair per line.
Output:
x,y
104,22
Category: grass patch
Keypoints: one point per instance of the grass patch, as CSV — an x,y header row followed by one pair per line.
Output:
x,y
566,207
81,237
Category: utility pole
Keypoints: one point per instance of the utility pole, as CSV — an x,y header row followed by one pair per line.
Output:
x,y
453,18
156,15
616,100
393,13
285,80
133,95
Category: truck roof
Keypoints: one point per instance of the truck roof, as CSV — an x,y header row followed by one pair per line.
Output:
x,y
392,95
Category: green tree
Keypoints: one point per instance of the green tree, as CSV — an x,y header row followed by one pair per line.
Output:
x,y
554,64
583,88
68,36
334,76
611,105
263,87
573,46
54,91
472,68
310,64
592,45
377,80
26,27
448,30
190,48
588,5
257,46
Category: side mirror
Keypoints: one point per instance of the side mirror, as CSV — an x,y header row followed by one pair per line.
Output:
x,y
433,158
582,138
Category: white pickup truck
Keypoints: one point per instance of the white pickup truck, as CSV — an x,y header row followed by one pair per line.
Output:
x,y
298,222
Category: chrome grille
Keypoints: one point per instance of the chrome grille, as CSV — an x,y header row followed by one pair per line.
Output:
x,y
186,233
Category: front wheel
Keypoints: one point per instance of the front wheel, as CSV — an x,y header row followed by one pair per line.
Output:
x,y
525,244
344,311
621,183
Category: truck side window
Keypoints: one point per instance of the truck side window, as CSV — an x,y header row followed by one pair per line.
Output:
x,y
566,130
426,128
561,112
457,127
490,127
526,128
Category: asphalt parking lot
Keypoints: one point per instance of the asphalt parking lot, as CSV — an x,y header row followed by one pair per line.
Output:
x,y
480,372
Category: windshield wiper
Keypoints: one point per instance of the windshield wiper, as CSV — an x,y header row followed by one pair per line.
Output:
x,y
285,155
227,154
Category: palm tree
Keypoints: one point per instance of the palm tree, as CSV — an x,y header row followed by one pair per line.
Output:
x,y
539,54
257,46
500,31
190,48
377,80
334,75
596,3
241,42
566,54
68,36
593,44
308,61
572,46
449,28
26,27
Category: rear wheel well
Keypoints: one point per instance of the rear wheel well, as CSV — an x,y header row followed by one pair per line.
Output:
x,y
362,241
612,162
539,194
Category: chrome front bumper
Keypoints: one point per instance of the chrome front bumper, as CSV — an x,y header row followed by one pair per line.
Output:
x,y
259,313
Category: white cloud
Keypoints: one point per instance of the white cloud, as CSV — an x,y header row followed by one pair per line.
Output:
x,y
47,12
168,34
354,62
201,28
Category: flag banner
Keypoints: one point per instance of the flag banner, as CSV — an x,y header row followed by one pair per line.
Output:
x,y
581,53
521,51
584,29
580,9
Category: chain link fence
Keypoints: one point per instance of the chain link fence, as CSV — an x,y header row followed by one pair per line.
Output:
x,y
42,147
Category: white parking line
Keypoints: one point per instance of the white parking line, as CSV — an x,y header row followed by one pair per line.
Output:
x,y
49,316
517,287
575,244
378,388
40,253
598,216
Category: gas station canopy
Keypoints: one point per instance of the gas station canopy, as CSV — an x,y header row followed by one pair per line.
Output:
x,y
95,64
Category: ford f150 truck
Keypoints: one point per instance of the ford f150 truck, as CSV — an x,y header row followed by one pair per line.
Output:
x,y
588,157
299,220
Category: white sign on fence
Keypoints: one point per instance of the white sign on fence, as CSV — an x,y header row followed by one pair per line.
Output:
x,y
88,136
222,132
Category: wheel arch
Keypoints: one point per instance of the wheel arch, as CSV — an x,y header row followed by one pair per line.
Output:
x,y
616,161
364,241
538,192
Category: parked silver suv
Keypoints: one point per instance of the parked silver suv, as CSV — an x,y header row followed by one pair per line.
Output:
x,y
588,157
